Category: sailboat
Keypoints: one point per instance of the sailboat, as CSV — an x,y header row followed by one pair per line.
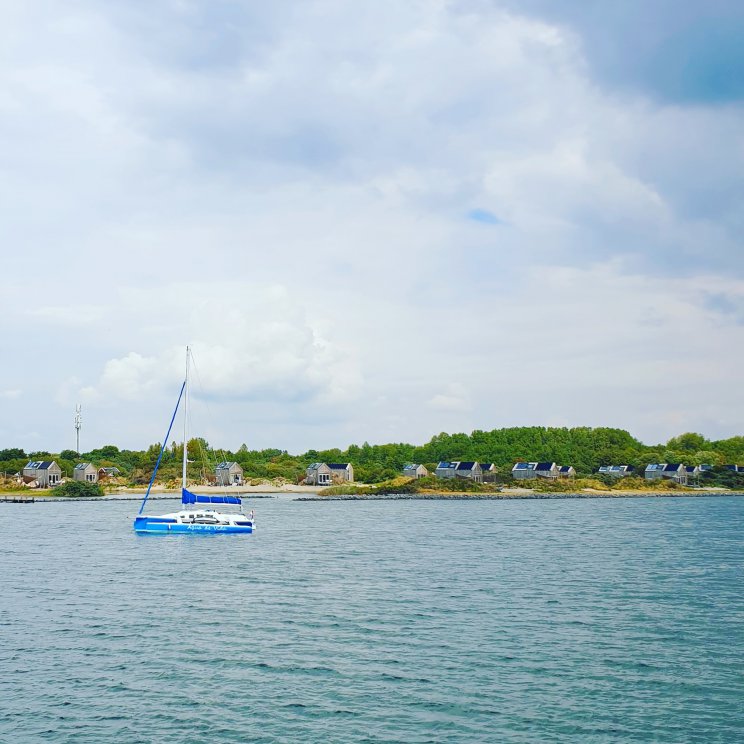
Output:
x,y
197,516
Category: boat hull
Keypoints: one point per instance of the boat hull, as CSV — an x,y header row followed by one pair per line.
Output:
x,y
161,526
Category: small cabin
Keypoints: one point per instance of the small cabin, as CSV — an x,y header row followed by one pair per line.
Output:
x,y
86,472
229,474
415,471
548,470
566,471
459,469
523,470
46,473
446,469
318,474
470,470
669,471
341,472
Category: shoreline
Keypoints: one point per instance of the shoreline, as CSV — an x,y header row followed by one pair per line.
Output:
x,y
533,495
521,496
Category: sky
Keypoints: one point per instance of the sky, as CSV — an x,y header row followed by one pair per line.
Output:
x,y
372,221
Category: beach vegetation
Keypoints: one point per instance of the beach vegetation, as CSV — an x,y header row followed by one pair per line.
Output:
x,y
77,489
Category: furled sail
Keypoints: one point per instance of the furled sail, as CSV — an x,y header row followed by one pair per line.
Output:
x,y
197,498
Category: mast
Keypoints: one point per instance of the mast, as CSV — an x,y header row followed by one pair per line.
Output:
x,y
78,425
185,420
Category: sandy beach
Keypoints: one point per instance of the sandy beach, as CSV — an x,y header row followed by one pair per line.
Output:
x,y
316,493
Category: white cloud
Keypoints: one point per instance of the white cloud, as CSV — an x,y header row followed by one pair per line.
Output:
x,y
11,394
248,341
287,189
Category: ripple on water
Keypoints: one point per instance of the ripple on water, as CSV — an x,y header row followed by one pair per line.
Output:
x,y
554,621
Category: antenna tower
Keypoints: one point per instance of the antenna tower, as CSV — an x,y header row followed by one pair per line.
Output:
x,y
78,426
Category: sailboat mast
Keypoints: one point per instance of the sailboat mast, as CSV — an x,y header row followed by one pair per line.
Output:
x,y
185,420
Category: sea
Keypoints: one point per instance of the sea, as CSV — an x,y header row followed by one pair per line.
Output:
x,y
577,620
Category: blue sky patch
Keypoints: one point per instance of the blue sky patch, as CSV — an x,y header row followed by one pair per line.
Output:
x,y
484,217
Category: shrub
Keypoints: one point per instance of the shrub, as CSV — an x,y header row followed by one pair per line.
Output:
x,y
77,489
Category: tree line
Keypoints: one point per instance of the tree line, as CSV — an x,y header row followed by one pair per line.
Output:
x,y
585,448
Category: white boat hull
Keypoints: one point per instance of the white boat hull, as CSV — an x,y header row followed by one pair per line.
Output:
x,y
201,521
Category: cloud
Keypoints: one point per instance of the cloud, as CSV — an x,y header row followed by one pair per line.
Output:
x,y
10,394
347,210
248,341
676,50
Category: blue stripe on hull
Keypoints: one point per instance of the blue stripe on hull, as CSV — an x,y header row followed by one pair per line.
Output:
x,y
145,526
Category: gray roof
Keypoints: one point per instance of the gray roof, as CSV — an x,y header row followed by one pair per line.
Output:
x,y
83,465
226,465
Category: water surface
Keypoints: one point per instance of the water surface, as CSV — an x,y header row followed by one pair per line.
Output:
x,y
387,621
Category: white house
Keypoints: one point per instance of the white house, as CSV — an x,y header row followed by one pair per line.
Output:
x,y
566,471
229,474
415,471
86,472
323,474
318,474
523,470
46,473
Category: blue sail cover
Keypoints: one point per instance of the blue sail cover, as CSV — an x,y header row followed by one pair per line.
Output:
x,y
196,498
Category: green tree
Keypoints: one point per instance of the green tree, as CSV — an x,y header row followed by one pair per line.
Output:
x,y
689,442
14,453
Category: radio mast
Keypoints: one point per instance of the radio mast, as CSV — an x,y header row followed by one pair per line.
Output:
x,y
78,425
